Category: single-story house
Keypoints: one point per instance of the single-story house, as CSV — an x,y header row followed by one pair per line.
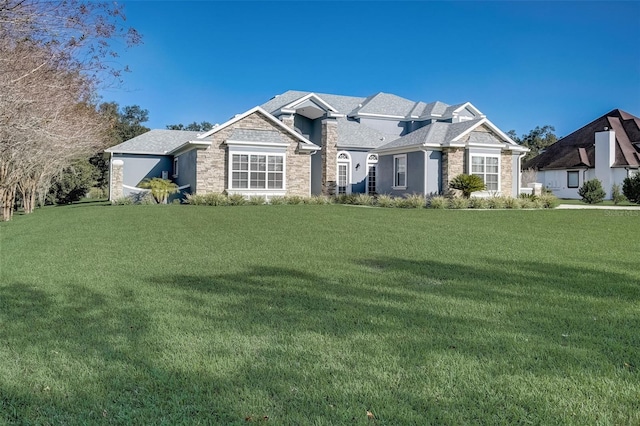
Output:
x,y
304,143
608,149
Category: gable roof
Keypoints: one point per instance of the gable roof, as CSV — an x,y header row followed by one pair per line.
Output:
x,y
385,104
577,149
441,134
352,134
343,104
154,142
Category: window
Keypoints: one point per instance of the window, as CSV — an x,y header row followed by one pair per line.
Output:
x,y
251,171
372,168
175,167
344,168
488,168
573,179
400,171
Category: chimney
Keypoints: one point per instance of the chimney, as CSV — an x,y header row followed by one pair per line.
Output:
x,y
605,153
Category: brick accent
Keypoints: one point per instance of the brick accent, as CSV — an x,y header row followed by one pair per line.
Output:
x,y
506,173
212,172
288,120
329,153
453,164
116,189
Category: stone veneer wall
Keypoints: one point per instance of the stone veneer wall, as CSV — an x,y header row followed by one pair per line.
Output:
x,y
506,173
452,165
329,153
212,163
117,180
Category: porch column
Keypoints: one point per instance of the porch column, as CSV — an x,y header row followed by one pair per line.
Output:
x,y
116,189
329,154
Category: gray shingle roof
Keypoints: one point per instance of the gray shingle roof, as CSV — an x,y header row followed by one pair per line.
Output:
x,y
352,134
434,133
386,104
157,141
254,135
344,104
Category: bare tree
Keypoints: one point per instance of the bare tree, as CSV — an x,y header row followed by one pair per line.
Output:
x,y
52,57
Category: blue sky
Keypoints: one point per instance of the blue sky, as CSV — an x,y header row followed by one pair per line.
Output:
x,y
523,64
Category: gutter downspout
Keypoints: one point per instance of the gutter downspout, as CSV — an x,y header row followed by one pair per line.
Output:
x,y
110,174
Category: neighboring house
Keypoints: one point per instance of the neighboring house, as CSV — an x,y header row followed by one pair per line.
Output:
x,y
330,144
608,149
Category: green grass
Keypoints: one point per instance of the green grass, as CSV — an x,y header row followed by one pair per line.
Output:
x,y
603,203
316,314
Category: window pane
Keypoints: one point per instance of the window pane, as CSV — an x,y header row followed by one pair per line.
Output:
x,y
477,164
258,180
275,181
239,180
275,164
572,179
492,165
491,181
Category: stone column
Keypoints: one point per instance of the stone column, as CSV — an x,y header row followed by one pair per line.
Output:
x,y
116,189
288,120
329,154
452,165
506,174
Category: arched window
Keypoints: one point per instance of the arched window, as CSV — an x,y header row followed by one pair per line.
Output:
x,y
344,173
372,173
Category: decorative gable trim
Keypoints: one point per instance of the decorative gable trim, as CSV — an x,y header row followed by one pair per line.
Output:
x,y
470,106
313,97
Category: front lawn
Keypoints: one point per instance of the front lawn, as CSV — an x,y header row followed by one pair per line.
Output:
x,y
318,314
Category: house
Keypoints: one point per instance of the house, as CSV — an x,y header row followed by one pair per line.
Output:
x,y
303,143
608,149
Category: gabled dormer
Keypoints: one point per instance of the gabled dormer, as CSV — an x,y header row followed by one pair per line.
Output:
x,y
310,106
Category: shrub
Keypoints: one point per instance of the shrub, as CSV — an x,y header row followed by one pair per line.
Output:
x,y
194,199
364,200
511,203
293,199
320,199
467,184
160,188
145,199
176,201
527,202
438,202
616,194
459,203
549,201
256,200
216,199
97,193
478,203
386,201
413,201
496,202
631,188
591,192
236,200
122,201
277,200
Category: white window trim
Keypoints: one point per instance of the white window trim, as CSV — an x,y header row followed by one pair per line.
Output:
x,y
485,156
395,173
577,172
346,162
256,191
371,162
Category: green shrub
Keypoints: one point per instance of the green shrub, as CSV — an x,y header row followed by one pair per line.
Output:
x,y
97,193
591,192
256,200
364,200
438,202
122,201
293,199
385,200
320,199
616,194
478,203
527,202
277,200
549,201
467,184
236,200
194,199
459,203
160,188
216,199
176,201
413,201
511,203
145,199
631,188
496,202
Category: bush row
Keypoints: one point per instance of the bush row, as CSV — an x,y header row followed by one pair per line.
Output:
x,y
544,201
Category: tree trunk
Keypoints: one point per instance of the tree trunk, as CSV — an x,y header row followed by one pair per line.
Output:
x,y
7,199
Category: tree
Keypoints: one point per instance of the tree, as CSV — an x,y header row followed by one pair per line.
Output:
x,y
536,140
631,188
160,188
591,192
53,55
467,184
73,182
203,126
